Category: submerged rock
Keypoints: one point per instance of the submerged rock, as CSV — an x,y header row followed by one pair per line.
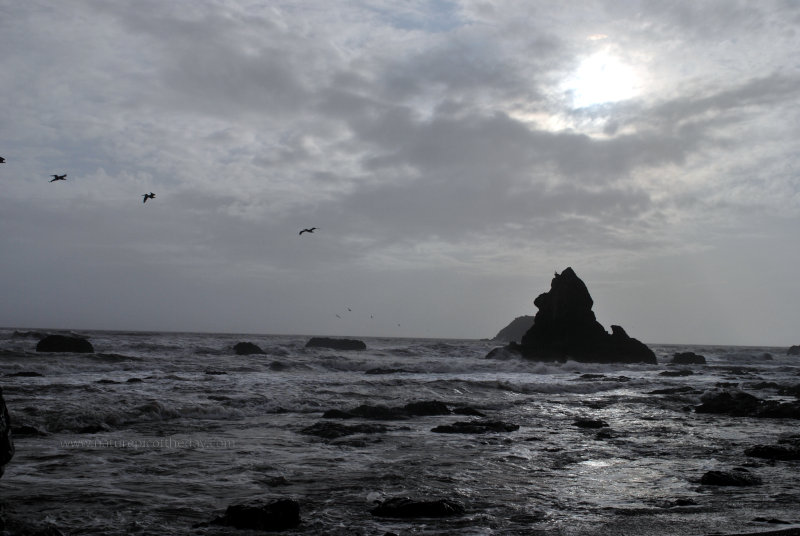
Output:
x,y
736,477
64,343
280,514
590,423
565,328
688,358
774,452
385,413
247,348
336,344
6,443
475,427
404,508
335,430
515,330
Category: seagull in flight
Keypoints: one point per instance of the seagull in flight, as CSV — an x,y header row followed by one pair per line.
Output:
x,y
307,231
58,177
151,195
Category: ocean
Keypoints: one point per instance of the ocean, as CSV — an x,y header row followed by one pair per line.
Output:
x,y
158,433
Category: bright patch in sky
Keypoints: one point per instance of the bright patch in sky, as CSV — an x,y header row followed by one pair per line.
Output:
x,y
599,79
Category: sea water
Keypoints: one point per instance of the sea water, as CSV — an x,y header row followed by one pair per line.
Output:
x,y
160,432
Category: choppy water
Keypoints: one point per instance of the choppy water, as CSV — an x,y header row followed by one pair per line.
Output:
x,y
158,432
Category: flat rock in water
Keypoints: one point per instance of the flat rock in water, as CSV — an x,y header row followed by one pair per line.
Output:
x,y
64,343
336,344
736,477
590,423
774,452
335,430
688,358
404,508
475,427
280,514
385,413
247,348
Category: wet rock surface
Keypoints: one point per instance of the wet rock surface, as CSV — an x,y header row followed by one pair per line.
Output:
x,y
405,507
280,514
738,476
475,427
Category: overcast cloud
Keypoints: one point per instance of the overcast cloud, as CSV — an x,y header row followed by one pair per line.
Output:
x,y
452,155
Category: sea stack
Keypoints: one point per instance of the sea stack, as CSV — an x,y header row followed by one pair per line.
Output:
x,y
565,328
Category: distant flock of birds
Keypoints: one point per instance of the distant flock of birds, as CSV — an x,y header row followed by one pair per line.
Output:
x,y
145,197
151,195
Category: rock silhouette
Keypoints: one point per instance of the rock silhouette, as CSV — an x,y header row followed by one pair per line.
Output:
x,y
515,330
565,328
247,348
6,443
336,344
64,343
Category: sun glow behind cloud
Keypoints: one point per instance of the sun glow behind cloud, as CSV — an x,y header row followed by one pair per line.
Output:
x,y
601,78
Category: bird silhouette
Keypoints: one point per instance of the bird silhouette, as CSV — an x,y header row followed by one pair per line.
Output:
x,y
58,177
307,231
2,160
151,195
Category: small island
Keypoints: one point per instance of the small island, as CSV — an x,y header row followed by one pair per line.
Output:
x,y
565,328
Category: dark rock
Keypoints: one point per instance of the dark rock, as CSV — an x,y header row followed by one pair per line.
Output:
x,y
431,407
740,404
475,427
94,428
468,411
6,443
247,348
334,430
405,508
793,350
134,380
515,330
385,413
26,430
380,370
605,433
590,423
793,390
336,344
735,403
276,515
673,390
565,328
736,477
774,452
64,343
688,358
676,373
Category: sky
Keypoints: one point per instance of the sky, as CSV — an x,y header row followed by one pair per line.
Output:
x,y
453,155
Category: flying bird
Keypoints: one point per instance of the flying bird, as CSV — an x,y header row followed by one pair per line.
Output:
x,y
151,195
2,160
307,231
58,177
